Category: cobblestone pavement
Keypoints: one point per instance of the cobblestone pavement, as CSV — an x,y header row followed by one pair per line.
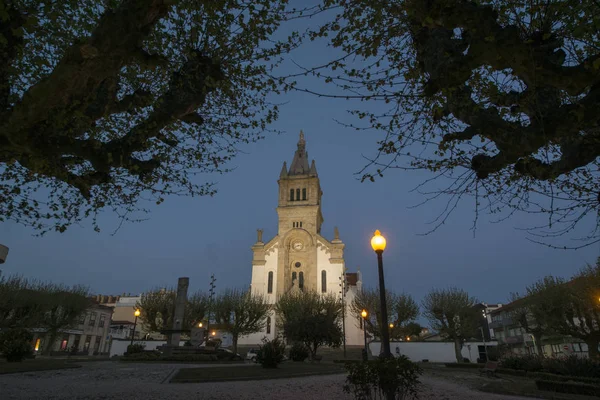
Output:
x,y
111,380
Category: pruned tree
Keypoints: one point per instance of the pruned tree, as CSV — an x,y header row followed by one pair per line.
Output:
x,y
582,311
107,102
311,319
402,311
451,312
62,308
157,308
540,310
22,302
241,313
498,99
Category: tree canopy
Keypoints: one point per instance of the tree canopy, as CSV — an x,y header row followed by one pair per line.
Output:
x,y
403,310
241,313
311,319
104,103
452,313
500,99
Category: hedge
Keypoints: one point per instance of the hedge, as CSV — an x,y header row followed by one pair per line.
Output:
x,y
562,378
568,387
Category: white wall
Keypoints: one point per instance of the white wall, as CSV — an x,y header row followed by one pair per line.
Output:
x,y
432,351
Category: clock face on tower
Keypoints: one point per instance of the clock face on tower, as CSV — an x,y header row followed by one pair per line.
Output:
x,y
298,245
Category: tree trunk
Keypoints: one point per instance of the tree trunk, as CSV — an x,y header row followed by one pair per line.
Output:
x,y
51,335
234,342
538,344
457,350
592,345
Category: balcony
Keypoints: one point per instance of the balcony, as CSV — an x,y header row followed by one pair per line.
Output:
x,y
513,339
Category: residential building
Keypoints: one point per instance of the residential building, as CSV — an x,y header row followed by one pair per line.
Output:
x,y
89,335
514,339
299,257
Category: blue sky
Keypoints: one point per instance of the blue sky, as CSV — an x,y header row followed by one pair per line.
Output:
x,y
195,237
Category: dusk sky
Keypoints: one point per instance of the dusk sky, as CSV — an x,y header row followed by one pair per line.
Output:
x,y
195,237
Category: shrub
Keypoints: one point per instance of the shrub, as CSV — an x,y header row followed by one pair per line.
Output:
x,y
572,365
298,352
271,353
374,379
526,363
135,348
569,387
15,344
143,356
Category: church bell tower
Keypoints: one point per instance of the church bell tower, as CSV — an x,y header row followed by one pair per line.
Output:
x,y
300,220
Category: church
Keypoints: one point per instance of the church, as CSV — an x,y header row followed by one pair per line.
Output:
x,y
299,257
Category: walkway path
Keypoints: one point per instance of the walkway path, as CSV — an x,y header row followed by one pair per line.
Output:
x,y
113,380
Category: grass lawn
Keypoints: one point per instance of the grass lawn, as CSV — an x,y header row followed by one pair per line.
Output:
x,y
34,365
254,372
501,384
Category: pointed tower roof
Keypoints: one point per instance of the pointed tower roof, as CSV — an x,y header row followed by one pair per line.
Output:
x,y
300,164
283,173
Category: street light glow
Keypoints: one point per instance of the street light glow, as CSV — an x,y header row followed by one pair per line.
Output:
x,y
378,242
391,325
199,324
363,314
137,313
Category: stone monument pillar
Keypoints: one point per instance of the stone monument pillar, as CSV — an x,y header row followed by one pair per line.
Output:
x,y
180,303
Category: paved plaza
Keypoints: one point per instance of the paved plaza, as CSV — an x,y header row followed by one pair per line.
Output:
x,y
113,380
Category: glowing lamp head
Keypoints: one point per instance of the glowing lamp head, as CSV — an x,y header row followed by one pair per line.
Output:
x,y
391,325
363,314
137,313
199,324
408,338
214,333
378,242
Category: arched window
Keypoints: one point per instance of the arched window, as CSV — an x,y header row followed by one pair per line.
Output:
x,y
268,324
297,194
304,194
323,281
270,283
291,194
301,280
294,277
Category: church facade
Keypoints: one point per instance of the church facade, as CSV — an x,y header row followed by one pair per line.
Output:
x,y
299,257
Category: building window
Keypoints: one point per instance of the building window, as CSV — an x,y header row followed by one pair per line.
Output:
x,y
323,281
291,194
268,324
301,280
82,318
300,224
270,283
297,194
92,319
304,194
294,276
101,322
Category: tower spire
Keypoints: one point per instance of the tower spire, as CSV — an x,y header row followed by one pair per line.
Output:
x,y
300,163
283,173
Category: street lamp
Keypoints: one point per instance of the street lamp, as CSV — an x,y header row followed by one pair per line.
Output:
x,y
137,314
378,243
364,314
199,324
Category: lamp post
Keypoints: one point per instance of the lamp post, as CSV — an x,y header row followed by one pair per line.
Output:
x,y
210,300
483,335
378,243
364,314
137,314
